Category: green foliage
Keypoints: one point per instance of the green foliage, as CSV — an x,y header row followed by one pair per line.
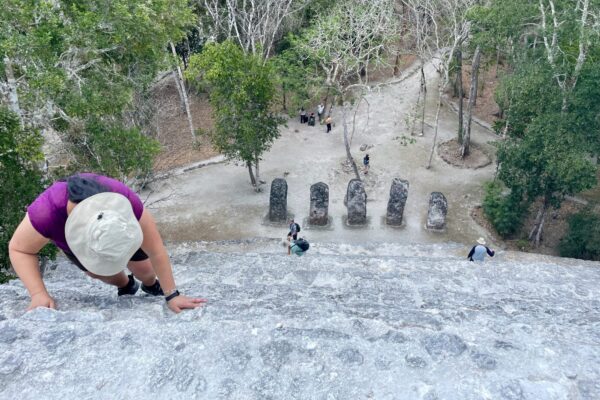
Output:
x,y
114,150
526,94
20,152
296,75
241,94
504,211
548,162
584,109
548,98
78,64
583,238
5,277
523,244
497,23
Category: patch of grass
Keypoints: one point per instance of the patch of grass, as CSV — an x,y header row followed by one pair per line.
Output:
x,y
523,244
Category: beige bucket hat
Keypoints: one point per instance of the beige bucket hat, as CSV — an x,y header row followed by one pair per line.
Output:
x,y
481,241
103,233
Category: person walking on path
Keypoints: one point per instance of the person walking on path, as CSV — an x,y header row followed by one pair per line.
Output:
x,y
320,111
294,229
102,227
328,121
366,164
303,118
479,251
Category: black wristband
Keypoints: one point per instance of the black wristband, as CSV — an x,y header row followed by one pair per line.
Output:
x,y
172,295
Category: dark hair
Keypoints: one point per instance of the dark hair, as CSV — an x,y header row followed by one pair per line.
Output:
x,y
80,188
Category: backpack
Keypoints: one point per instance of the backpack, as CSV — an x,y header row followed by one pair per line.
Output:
x,y
303,244
297,228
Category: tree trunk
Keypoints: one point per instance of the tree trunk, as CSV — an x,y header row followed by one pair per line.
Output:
x,y
257,174
186,56
284,97
459,83
331,105
252,179
397,65
437,120
423,90
13,95
467,131
183,93
476,93
497,61
538,236
535,235
325,100
347,144
179,90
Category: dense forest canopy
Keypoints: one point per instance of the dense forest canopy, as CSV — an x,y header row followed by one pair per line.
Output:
x,y
76,76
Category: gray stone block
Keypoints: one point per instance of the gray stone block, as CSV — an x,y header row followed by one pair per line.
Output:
x,y
397,201
319,204
278,201
356,203
438,209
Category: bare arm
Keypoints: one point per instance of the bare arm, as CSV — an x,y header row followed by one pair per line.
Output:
x,y
23,251
154,247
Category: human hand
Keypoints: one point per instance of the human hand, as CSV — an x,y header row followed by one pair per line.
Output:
x,y
41,299
180,303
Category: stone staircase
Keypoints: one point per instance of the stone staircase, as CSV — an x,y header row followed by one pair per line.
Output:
x,y
375,321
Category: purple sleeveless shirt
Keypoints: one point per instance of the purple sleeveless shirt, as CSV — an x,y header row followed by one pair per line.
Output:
x,y
48,213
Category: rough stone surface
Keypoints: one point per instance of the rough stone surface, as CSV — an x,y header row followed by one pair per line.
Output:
x,y
397,201
278,201
319,204
373,322
438,209
356,203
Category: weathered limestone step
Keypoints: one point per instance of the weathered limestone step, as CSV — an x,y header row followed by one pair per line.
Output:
x,y
324,327
275,246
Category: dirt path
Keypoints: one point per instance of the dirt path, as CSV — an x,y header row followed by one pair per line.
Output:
x,y
217,202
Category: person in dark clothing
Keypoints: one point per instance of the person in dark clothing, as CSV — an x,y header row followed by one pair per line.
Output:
x,y
479,251
294,229
328,121
303,117
311,119
366,161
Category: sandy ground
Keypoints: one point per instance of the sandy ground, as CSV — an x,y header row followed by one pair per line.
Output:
x,y
217,202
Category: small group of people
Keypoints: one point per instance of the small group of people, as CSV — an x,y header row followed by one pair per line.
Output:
x,y
102,227
295,245
309,119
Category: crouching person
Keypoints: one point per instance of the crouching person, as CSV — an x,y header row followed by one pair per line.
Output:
x,y
298,247
102,227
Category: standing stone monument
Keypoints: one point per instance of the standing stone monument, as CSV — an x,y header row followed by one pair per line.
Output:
x,y
397,201
356,203
278,200
319,204
438,209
